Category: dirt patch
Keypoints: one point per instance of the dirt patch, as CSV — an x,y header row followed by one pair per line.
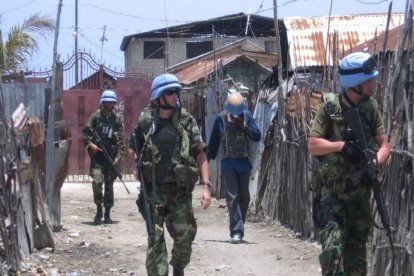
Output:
x,y
119,249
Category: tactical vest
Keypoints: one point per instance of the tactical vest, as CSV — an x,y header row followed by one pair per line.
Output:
x,y
167,156
105,127
332,170
338,131
235,142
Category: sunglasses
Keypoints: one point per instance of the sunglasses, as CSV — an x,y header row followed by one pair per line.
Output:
x,y
171,91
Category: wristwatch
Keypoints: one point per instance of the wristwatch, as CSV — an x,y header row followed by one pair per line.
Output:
x,y
202,182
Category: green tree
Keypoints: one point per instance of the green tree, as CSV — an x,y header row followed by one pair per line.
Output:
x,y
21,43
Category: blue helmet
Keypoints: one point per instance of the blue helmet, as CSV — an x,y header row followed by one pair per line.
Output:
x,y
357,68
235,104
162,83
108,96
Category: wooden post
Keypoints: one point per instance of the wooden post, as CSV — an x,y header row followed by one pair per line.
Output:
x,y
101,77
280,111
50,134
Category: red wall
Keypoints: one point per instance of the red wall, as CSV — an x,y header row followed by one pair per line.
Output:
x,y
78,105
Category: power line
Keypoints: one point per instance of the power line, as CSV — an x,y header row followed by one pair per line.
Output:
x,y
261,6
371,3
97,45
18,8
131,15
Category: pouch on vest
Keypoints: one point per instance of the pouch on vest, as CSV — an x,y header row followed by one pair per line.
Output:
x,y
321,213
147,170
331,170
193,175
331,167
186,177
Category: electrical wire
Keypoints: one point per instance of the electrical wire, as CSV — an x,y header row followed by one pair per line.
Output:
x,y
130,15
371,3
18,8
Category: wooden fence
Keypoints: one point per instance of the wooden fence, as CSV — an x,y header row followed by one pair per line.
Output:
x,y
283,190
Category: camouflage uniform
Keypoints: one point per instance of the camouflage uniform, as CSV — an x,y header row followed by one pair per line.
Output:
x,y
171,148
111,131
345,234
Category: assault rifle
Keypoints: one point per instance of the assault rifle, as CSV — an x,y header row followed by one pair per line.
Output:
x,y
107,156
370,169
143,200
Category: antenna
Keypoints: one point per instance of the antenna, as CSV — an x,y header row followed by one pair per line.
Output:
x,y
103,39
167,44
76,42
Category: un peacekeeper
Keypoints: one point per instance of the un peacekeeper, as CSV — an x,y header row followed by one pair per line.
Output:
x,y
233,130
173,160
345,232
107,126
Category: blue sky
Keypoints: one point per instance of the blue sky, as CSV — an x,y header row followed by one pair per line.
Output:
x,y
126,17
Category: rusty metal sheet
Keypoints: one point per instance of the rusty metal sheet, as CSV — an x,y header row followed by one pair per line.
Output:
x,y
376,44
308,35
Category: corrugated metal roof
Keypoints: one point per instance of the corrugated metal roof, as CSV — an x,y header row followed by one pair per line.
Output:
x,y
244,44
376,44
308,36
197,68
203,68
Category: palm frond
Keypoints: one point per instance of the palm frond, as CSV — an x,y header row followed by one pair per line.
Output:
x,y
21,42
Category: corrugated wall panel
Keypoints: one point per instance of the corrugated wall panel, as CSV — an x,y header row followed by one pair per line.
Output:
x,y
33,96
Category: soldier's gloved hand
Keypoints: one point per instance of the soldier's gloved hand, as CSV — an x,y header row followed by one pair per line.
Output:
x,y
352,152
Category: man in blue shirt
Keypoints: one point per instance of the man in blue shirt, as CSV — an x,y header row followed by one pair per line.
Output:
x,y
234,128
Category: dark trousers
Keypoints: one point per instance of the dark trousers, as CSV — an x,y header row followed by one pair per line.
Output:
x,y
236,186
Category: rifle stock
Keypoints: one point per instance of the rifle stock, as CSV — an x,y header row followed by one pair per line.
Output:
x,y
108,157
352,117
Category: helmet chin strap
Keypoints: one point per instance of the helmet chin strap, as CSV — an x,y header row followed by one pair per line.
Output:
x,y
359,92
166,106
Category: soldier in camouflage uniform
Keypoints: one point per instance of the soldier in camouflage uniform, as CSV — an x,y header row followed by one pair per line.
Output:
x,y
173,159
107,126
346,227
233,129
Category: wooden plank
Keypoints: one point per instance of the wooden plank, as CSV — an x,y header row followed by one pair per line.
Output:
x,y
43,234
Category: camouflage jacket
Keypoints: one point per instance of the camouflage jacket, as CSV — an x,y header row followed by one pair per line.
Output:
x,y
186,148
109,129
329,124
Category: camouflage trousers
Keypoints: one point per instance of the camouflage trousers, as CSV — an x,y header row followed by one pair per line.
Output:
x,y
175,209
102,174
345,236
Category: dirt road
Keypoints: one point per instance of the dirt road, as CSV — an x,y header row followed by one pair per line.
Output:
x,y
119,248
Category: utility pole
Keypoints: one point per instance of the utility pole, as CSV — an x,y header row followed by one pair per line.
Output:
x,y
103,39
248,22
76,41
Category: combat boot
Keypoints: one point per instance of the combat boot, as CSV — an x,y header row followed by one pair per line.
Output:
x,y
98,215
178,272
107,215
